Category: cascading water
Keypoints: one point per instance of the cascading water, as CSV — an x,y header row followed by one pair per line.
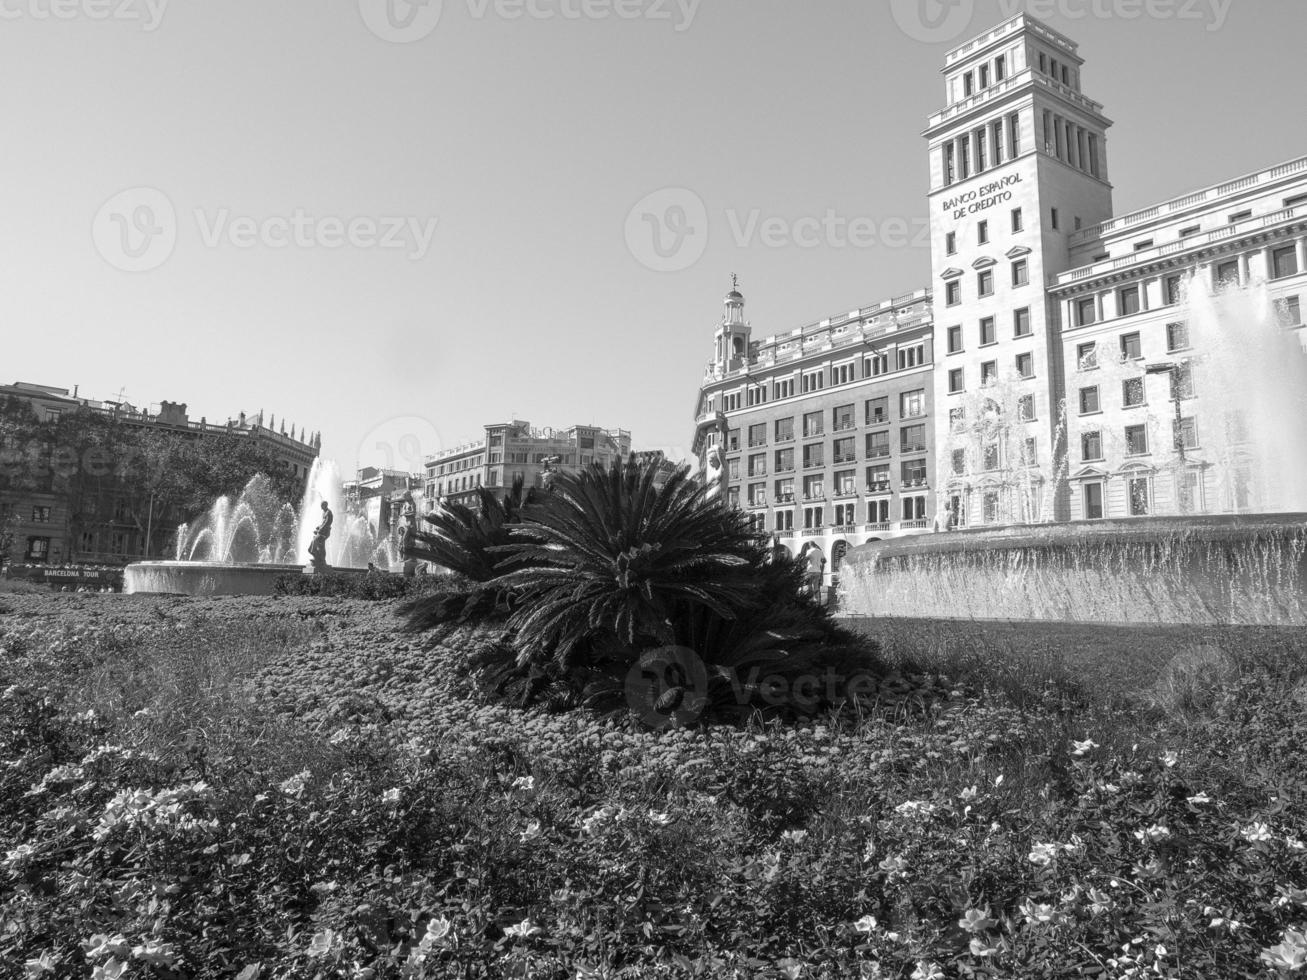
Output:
x,y
258,528
1250,387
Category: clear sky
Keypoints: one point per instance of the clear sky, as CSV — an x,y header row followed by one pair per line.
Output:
x,y
230,203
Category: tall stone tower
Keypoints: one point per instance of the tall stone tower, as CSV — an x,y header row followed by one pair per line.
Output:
x,y
1018,162
731,342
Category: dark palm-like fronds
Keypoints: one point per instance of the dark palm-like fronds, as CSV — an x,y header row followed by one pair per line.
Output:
x,y
611,551
463,540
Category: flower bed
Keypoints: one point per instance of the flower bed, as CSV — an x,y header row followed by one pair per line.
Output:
x,y
294,788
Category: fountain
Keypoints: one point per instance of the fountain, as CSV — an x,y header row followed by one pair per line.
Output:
x,y
1230,548
242,546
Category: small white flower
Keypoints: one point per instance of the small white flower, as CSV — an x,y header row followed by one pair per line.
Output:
x,y
1043,854
1038,912
794,836
526,783
1168,759
100,945
439,932
1199,798
927,971
322,942
19,856
866,924
915,808
43,964
660,819
1099,901
970,793
295,785
391,796
1154,833
531,832
155,954
523,930
981,948
1256,832
976,920
1082,748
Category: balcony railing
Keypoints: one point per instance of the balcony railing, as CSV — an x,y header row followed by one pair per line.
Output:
x,y
915,447
758,471
785,498
882,526
915,484
758,501
846,458
787,533
846,492
845,529
880,486
757,443
814,497
813,532
878,419
813,464
914,525
878,452
787,437
845,425
783,468
812,433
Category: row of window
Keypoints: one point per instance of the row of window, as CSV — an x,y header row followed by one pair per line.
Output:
x,y
459,465
912,509
957,379
982,149
982,232
875,365
1129,299
979,78
1184,433
1019,270
1139,496
1283,263
912,404
1072,144
993,457
988,331
912,439
844,483
1132,348
1133,394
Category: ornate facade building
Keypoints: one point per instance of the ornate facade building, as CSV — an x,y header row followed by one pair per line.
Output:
x,y
95,519
509,449
1058,360
825,434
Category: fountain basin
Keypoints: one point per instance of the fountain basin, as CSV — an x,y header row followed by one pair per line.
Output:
x,y
210,577
1213,569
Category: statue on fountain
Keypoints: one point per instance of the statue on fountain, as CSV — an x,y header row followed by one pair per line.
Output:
x,y
318,546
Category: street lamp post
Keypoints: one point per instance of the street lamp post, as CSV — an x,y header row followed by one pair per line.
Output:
x,y
1172,369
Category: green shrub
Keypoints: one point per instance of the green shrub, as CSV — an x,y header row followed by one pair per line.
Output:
x,y
372,586
993,832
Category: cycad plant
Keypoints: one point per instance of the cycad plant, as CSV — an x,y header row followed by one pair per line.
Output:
x,y
463,540
613,554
